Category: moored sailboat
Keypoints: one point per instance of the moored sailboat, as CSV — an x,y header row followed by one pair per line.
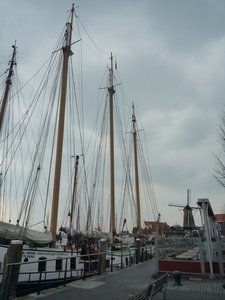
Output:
x,y
125,205
32,185
9,231
39,245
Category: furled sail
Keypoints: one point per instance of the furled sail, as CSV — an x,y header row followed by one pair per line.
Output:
x,y
16,232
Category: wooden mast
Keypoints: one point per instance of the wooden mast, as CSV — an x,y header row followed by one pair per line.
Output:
x,y
55,201
112,176
74,191
7,88
136,173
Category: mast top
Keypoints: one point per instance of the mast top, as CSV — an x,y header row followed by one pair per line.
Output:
x,y
8,84
111,73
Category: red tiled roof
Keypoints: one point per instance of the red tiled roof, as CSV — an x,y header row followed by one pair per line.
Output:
x,y
162,225
220,218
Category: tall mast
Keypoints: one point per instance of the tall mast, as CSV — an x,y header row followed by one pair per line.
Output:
x,y
7,87
112,178
78,219
66,53
136,173
74,190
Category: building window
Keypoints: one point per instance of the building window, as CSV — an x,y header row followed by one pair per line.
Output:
x,y
73,263
58,264
42,264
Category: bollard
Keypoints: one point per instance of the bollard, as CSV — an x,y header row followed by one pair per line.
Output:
x,y
102,257
177,277
137,246
11,273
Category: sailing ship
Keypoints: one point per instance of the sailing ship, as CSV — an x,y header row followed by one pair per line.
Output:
x,y
40,245
34,152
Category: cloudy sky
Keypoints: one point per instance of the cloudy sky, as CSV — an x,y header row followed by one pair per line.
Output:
x,y
171,60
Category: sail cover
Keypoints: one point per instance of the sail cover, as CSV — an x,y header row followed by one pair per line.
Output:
x,y
16,232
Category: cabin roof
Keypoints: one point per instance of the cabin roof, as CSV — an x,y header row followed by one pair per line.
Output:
x,y
220,218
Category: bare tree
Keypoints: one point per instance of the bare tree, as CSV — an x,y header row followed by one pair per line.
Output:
x,y
219,167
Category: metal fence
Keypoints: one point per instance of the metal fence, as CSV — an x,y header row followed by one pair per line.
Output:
x,y
41,278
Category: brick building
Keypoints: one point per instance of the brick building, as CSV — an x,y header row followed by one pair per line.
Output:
x,y
220,220
153,227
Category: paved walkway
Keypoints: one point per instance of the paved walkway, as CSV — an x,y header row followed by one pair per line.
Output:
x,y
124,283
